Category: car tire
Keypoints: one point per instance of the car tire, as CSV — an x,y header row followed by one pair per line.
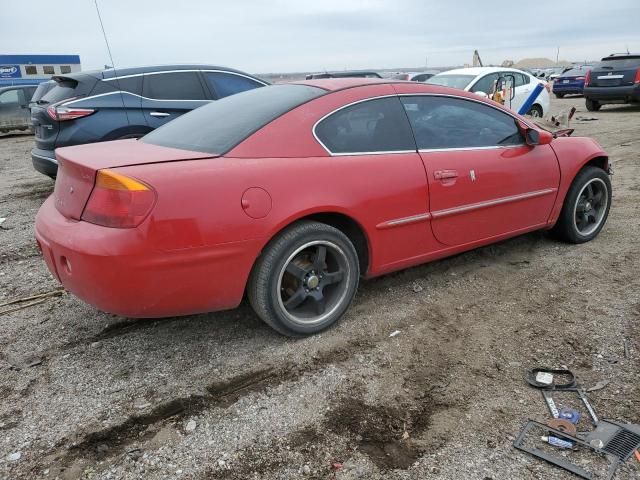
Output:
x,y
535,111
559,95
592,105
586,206
305,279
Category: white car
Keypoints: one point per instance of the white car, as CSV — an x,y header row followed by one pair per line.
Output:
x,y
482,79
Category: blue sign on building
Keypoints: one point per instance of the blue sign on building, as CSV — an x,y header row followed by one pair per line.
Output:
x,y
10,71
33,69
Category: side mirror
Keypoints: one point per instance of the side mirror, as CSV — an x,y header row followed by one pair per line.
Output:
x,y
537,137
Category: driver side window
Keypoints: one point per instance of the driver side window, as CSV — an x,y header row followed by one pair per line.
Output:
x,y
447,122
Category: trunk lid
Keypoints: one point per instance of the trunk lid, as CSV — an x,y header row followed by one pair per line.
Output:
x,y
77,167
615,71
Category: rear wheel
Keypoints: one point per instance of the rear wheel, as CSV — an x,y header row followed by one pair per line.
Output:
x,y
592,105
535,111
305,279
559,95
586,206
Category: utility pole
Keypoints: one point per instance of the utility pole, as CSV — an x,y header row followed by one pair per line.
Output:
x,y
426,61
557,55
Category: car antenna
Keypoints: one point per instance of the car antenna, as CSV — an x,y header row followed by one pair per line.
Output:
x,y
115,73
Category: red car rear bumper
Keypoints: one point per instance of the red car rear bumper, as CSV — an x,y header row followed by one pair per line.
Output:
x,y
116,271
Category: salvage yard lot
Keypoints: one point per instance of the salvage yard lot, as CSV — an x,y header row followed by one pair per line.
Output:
x,y
85,394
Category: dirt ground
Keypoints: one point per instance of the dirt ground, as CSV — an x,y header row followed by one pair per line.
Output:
x,y
84,394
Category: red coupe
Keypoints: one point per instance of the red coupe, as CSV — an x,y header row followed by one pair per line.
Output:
x,y
292,192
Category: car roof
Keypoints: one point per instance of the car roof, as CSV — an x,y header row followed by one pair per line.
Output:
x,y
475,71
340,83
335,84
124,71
345,73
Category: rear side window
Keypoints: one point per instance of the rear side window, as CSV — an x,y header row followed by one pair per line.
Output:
x,y
225,84
521,78
446,122
219,126
129,84
371,126
173,86
11,96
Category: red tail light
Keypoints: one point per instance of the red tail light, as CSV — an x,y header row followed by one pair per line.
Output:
x,y
118,201
580,78
637,79
62,114
587,78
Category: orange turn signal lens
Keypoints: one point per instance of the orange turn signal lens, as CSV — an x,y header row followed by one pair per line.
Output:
x,y
118,201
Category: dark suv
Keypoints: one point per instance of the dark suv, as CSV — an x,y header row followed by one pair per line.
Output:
x,y
616,79
112,104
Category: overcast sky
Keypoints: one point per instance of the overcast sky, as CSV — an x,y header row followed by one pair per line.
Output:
x,y
300,35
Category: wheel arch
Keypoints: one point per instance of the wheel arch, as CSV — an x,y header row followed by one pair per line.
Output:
x,y
340,220
600,161
127,131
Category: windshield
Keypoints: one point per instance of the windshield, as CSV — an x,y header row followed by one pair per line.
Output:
x,y
221,125
451,80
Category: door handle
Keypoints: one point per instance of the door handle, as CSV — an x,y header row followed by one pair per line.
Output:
x,y
444,174
159,114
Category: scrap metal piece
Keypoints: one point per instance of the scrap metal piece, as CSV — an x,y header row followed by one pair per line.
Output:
x,y
617,439
534,374
587,405
558,461
563,425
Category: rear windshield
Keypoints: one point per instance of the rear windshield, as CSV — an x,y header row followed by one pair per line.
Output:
x,y
221,125
624,62
64,89
451,80
576,72
42,89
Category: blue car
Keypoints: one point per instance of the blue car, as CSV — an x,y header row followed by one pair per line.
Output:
x,y
571,82
110,104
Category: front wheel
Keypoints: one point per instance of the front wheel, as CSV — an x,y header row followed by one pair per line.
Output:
x,y
592,105
586,206
305,279
559,95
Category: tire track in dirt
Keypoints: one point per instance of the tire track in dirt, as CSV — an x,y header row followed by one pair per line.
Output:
x,y
136,428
